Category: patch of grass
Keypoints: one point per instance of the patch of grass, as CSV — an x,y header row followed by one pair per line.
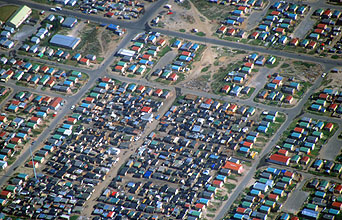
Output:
x,y
164,51
6,12
201,34
182,30
74,217
186,4
229,187
205,69
284,65
212,11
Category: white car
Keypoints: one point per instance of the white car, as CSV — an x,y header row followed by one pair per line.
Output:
x,y
323,75
72,107
59,8
53,9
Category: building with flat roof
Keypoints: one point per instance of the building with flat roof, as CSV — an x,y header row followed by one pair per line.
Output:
x,y
65,41
19,17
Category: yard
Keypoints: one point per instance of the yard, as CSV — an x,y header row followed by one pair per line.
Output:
x,y
6,12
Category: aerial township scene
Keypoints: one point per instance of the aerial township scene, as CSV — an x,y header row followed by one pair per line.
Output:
x,y
171,109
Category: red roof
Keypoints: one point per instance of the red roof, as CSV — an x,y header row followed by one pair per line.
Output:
x,y
280,158
225,88
248,64
208,101
329,125
199,206
279,30
158,92
333,106
289,98
338,188
89,99
240,210
323,96
305,159
337,205
55,102
84,60
2,118
217,182
233,166
106,79
282,151
288,174
276,81
322,26
273,196
186,53
298,129
146,109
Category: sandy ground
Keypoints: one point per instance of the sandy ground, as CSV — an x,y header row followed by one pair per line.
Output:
x,y
187,20
202,80
332,80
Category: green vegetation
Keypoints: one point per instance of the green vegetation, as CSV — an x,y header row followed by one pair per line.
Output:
x,y
6,12
201,34
212,11
205,69
284,65
74,217
186,4
301,63
182,30
164,51
229,187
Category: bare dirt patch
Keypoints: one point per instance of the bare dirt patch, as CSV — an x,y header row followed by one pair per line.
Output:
x,y
184,19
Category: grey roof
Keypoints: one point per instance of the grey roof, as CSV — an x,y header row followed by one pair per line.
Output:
x,y
65,41
69,22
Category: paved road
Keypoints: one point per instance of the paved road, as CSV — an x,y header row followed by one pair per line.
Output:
x,y
305,26
166,59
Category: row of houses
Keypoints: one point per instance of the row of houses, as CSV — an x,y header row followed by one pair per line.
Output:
x,y
324,201
122,9
187,51
306,137
142,54
327,100
36,74
14,133
263,197
279,22
238,78
280,89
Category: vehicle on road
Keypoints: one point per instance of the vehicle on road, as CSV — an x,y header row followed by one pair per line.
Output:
x,y
59,8
323,75
72,107
53,9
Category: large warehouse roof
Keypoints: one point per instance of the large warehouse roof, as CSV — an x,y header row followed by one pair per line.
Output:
x,y
65,41
19,16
